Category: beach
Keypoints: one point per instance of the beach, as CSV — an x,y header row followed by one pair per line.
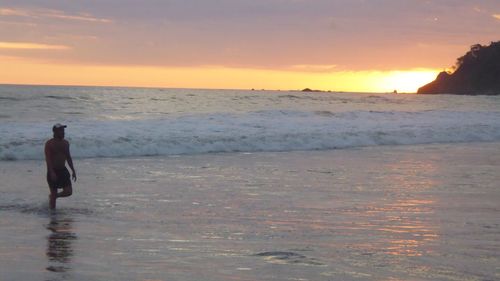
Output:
x,y
249,140
413,212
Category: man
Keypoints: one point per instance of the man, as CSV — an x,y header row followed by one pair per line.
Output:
x,y
56,155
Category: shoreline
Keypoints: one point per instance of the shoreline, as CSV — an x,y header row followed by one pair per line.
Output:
x,y
222,153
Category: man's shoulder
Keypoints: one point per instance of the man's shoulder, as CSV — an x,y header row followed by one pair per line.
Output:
x,y
55,142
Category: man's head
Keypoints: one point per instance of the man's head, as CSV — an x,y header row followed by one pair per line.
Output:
x,y
58,130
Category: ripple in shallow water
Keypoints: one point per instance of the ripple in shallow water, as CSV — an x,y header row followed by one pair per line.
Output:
x,y
42,209
283,257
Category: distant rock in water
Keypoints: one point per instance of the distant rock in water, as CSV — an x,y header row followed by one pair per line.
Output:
x,y
476,73
309,90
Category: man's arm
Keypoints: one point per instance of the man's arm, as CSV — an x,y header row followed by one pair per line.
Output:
x,y
70,162
48,160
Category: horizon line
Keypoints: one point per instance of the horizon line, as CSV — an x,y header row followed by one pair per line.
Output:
x,y
187,88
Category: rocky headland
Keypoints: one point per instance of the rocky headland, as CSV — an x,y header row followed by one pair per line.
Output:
x,y
475,73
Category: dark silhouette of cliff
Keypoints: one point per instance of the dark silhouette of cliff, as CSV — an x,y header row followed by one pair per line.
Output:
x,y
476,73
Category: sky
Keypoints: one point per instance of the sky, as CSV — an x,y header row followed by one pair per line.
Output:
x,y
339,45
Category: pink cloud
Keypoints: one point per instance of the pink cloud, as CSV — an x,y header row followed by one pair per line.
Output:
x,y
49,13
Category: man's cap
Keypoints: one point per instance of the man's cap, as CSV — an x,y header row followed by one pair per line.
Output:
x,y
58,126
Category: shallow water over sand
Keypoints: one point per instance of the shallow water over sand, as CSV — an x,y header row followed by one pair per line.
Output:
x,y
428,212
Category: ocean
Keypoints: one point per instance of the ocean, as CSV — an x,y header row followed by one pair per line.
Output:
x,y
192,184
124,122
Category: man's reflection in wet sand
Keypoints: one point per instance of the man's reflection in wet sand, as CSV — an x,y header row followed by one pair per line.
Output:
x,y
60,243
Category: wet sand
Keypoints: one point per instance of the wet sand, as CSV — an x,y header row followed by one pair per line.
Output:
x,y
426,212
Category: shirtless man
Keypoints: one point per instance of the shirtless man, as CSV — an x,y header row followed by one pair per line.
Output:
x,y
56,155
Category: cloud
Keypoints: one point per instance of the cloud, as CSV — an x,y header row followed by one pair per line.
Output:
x,y
31,46
79,17
19,23
13,12
497,16
50,13
314,67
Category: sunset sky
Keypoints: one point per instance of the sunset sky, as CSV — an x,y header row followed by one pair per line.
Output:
x,y
342,45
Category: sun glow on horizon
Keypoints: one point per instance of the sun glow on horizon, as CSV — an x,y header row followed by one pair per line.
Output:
x,y
408,81
23,71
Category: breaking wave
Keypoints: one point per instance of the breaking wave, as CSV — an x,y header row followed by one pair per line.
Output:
x,y
273,130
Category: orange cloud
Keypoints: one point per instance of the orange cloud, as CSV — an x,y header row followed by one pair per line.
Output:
x,y
31,46
497,16
314,67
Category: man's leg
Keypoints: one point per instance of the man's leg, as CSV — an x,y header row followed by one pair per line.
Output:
x,y
67,191
52,198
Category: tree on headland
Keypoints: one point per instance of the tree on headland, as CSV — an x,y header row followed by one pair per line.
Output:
x,y
477,72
